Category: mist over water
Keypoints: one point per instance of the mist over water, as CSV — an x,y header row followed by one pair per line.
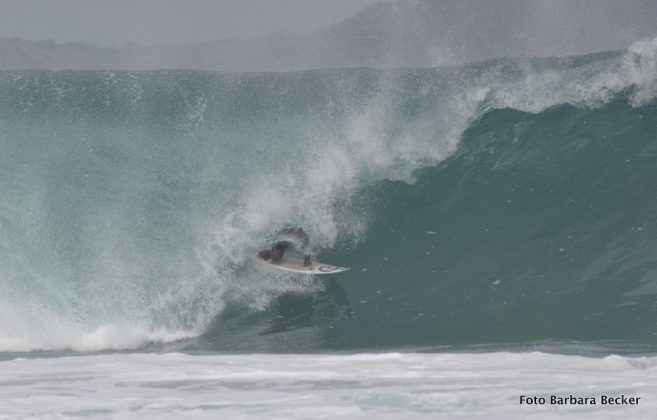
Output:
x,y
232,36
132,203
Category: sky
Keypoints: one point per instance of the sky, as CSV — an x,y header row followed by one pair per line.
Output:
x,y
150,22
392,33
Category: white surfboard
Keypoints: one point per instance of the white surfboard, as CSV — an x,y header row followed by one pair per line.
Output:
x,y
296,265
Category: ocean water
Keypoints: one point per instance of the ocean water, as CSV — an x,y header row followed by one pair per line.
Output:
x,y
499,220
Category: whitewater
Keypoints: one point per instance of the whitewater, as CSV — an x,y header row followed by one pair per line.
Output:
x,y
497,218
388,386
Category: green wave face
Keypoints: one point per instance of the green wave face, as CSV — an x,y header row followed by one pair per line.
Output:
x,y
502,201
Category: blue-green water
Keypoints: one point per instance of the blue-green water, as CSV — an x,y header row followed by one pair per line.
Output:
x,y
510,201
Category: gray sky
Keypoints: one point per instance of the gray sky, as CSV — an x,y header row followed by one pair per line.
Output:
x,y
403,33
112,22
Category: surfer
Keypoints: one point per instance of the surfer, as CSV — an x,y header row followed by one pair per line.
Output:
x,y
287,237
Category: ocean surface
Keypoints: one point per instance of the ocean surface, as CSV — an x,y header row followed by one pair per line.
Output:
x,y
499,219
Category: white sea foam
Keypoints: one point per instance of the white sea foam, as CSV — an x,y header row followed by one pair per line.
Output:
x,y
62,334
382,386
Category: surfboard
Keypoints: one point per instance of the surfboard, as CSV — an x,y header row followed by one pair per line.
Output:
x,y
296,265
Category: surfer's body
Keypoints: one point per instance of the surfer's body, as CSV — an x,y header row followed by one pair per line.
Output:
x,y
298,239
286,237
